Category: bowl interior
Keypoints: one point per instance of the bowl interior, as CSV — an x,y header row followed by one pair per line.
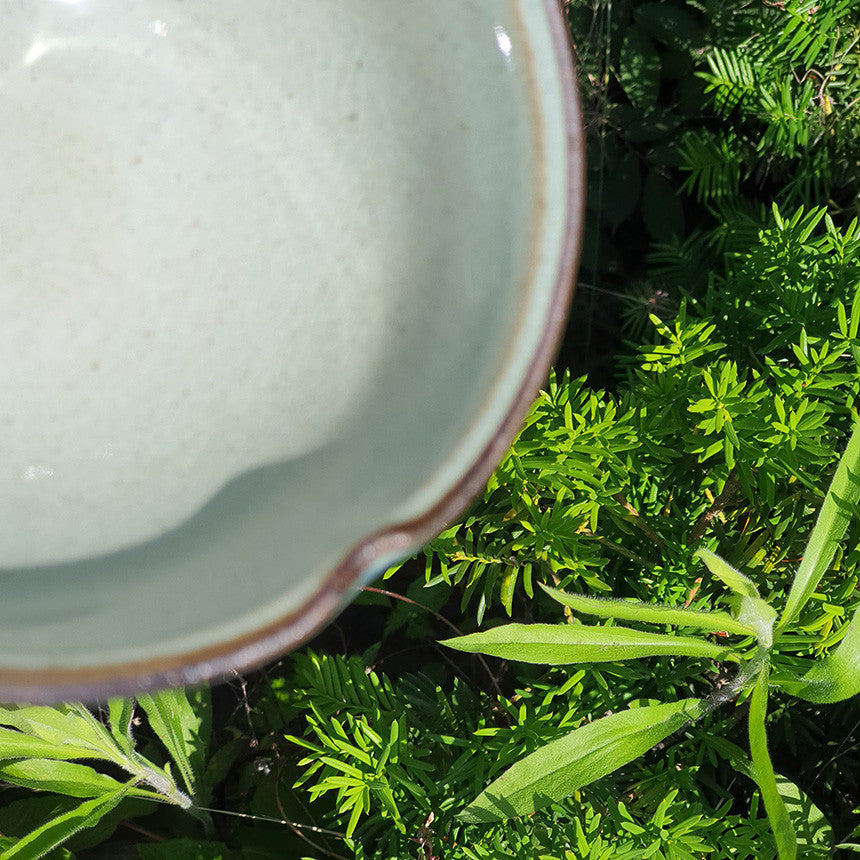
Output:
x,y
271,277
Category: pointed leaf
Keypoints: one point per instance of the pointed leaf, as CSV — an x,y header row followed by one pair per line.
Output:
x,y
55,832
15,744
729,575
649,613
777,813
183,728
839,506
562,766
558,644
62,725
121,713
62,777
837,676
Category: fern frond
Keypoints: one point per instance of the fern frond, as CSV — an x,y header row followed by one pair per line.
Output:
x,y
713,162
786,117
731,79
327,684
810,29
681,265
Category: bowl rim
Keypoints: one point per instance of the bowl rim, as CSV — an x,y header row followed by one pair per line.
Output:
x,y
228,659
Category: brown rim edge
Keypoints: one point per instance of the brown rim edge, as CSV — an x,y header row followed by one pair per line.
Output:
x,y
230,658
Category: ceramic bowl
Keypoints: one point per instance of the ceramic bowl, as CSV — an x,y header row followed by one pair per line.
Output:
x,y
278,282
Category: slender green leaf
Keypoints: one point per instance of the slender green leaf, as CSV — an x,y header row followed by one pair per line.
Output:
x,y
813,831
777,813
15,744
55,832
562,766
650,613
839,506
837,676
121,713
62,777
63,725
558,644
729,575
182,728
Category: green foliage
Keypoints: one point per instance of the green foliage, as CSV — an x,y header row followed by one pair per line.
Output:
x,y
592,475
469,740
42,749
550,643
559,768
722,238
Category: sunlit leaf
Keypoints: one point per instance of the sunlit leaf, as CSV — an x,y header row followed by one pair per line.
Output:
x,y
183,728
777,813
730,576
561,767
560,644
650,613
836,676
839,506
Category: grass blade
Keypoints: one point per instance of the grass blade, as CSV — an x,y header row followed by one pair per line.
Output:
x,y
839,506
560,644
586,754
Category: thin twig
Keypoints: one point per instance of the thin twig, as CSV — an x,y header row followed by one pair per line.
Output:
x,y
142,831
615,547
730,490
270,820
394,596
245,704
638,521
298,832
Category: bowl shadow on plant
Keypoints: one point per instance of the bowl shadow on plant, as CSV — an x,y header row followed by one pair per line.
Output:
x,y
502,808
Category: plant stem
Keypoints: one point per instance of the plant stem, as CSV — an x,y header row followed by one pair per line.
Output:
x,y
638,521
730,490
394,596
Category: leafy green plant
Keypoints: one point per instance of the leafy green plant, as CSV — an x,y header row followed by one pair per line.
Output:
x,y
721,240
71,756
596,748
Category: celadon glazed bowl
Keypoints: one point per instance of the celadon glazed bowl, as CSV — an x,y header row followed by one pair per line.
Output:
x,y
278,282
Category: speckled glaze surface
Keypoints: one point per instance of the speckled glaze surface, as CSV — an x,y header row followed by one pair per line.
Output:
x,y
278,282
